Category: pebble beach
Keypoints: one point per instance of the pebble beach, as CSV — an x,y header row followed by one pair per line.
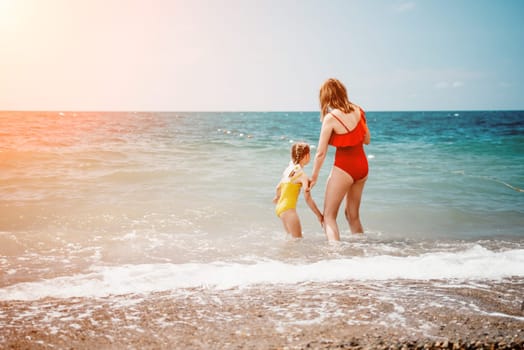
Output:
x,y
389,315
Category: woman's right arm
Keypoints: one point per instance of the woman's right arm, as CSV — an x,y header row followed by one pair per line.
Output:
x,y
320,155
367,136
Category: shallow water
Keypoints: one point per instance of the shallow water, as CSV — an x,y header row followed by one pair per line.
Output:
x,y
94,204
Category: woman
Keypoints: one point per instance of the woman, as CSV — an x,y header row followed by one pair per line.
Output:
x,y
344,127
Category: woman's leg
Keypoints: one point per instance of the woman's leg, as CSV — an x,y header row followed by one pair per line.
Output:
x,y
291,223
337,186
352,211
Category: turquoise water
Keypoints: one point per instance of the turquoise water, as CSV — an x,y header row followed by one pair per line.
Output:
x,y
450,174
86,197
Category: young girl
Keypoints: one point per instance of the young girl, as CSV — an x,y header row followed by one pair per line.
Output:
x,y
288,189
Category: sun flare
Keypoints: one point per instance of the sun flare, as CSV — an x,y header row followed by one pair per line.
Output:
x,y
9,13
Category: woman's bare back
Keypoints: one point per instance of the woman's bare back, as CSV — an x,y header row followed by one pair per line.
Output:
x,y
350,120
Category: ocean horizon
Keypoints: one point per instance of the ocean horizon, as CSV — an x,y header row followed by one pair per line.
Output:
x,y
76,110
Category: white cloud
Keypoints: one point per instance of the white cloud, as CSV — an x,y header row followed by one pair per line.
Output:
x,y
446,84
405,7
442,85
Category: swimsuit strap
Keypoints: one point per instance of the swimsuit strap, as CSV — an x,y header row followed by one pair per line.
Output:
x,y
295,173
291,173
340,121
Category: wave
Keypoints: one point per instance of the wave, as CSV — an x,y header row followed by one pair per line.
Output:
x,y
476,263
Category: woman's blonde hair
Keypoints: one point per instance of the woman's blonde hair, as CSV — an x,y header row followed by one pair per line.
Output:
x,y
298,151
333,94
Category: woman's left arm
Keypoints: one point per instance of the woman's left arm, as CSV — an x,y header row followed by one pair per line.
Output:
x,y
322,148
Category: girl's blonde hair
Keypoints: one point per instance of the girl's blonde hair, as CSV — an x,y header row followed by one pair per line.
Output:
x,y
298,151
333,94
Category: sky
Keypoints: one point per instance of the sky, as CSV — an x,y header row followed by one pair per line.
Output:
x,y
260,55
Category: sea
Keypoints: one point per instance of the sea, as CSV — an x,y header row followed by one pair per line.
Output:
x,y
106,204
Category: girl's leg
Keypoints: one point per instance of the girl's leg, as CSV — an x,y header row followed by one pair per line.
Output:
x,y
353,198
337,186
291,223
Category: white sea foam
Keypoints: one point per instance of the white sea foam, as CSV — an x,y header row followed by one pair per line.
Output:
x,y
476,263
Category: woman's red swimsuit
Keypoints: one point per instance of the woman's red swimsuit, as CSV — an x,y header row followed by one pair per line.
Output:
x,y
350,156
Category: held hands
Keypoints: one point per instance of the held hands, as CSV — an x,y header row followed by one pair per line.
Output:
x,y
311,183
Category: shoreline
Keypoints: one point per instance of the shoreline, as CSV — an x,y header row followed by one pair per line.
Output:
x,y
351,314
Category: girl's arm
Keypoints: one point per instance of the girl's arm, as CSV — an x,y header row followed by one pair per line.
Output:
x,y
309,200
277,194
320,155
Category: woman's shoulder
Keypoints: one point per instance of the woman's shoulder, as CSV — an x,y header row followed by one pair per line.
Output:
x,y
328,118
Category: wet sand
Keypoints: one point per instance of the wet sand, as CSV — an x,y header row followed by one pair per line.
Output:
x,y
344,315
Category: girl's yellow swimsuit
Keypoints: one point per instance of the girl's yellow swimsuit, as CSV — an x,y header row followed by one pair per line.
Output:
x,y
289,190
